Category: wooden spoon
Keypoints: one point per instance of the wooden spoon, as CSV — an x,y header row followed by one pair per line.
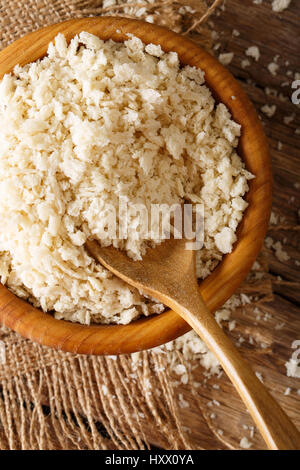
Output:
x,y
168,273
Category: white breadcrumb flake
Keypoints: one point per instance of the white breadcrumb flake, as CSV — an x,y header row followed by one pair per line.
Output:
x,y
280,254
259,376
269,110
271,91
2,353
225,239
180,369
245,443
87,125
293,368
253,52
273,67
280,5
274,218
182,402
293,365
288,119
245,299
226,57
245,63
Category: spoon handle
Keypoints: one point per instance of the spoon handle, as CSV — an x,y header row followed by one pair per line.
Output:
x,y
276,428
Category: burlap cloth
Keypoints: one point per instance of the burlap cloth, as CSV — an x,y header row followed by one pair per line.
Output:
x,y
55,400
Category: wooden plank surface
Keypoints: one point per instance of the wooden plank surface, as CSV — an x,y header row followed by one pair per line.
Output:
x,y
277,37
266,338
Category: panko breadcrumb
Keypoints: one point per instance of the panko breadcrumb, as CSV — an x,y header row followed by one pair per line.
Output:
x,y
91,122
280,5
226,57
253,52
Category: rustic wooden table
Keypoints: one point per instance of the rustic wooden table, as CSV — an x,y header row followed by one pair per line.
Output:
x,y
240,25
265,331
277,37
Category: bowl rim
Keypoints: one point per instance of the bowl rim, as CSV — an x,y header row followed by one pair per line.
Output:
x,y
148,332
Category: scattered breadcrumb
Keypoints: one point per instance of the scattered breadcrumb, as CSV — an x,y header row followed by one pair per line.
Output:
x,y
245,299
253,52
283,98
245,63
273,67
279,326
293,366
269,110
287,391
271,91
2,353
280,254
280,5
274,218
267,317
244,443
226,58
182,402
288,119
259,376
276,58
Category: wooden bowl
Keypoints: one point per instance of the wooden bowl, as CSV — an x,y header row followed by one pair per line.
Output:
x,y
149,332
